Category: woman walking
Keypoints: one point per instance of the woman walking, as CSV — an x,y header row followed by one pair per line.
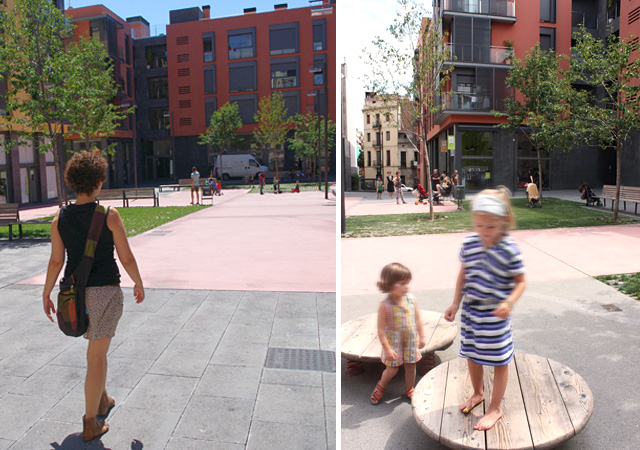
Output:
x,y
84,174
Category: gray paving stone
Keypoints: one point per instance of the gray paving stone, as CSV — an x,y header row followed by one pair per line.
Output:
x,y
216,419
153,301
285,436
161,393
157,325
25,411
301,405
5,444
187,356
293,340
327,320
71,408
260,298
243,333
8,382
144,346
330,427
51,381
292,377
132,428
228,353
293,325
23,364
196,444
329,389
230,381
328,339
253,317
126,372
74,356
52,435
326,303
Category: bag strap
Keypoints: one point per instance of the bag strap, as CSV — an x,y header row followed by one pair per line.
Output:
x,y
81,274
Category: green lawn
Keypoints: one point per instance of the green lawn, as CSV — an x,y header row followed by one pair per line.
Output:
x,y
627,283
136,220
554,214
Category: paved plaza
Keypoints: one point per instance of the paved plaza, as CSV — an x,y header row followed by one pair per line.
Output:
x,y
560,316
191,367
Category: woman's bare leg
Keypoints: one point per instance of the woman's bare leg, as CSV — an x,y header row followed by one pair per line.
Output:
x,y
94,384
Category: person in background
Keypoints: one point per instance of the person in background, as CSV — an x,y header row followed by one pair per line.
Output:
x,y
195,185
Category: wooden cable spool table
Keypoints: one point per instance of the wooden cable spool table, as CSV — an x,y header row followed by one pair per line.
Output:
x,y
360,341
546,403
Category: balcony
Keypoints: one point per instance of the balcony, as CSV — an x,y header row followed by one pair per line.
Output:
x,y
466,103
478,54
504,10
587,20
377,124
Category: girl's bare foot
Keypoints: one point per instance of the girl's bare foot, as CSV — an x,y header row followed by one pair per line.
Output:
x,y
473,401
488,420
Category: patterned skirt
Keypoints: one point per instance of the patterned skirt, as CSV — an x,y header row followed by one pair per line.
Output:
x,y
105,304
485,339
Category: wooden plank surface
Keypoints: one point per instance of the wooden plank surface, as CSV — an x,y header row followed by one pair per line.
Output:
x,y
576,394
512,430
443,335
548,418
457,429
348,328
361,338
428,400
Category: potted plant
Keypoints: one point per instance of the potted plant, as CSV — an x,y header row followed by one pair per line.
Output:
x,y
508,53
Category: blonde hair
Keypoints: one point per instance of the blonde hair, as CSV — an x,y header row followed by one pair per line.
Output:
x,y
391,274
503,194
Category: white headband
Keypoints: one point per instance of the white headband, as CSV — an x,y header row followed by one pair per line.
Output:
x,y
489,204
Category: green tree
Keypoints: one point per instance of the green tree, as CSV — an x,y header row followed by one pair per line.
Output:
x,y
410,73
272,124
541,107
610,112
222,129
31,46
309,129
88,89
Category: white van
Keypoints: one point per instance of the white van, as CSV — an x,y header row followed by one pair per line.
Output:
x,y
238,165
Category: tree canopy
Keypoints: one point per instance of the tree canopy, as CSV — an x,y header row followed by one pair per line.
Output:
x,y
272,123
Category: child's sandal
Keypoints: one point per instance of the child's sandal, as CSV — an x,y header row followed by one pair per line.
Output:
x,y
409,392
377,394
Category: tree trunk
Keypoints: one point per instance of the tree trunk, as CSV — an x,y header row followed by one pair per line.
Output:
x,y
616,205
539,174
56,163
427,165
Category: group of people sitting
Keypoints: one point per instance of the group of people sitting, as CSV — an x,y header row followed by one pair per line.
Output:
x,y
441,186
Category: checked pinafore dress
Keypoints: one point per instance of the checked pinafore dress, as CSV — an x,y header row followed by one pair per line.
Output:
x,y
487,339
401,331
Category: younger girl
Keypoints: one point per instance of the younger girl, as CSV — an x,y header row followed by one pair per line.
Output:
x,y
491,280
398,323
379,187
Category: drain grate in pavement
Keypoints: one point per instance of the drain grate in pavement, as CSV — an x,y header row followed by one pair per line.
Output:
x,y
301,359
159,233
611,308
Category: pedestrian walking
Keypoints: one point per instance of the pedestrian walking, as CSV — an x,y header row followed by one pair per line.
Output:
x,y
195,185
490,281
84,174
261,180
397,184
390,187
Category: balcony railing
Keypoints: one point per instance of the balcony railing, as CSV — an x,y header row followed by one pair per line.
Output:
x,y
479,53
587,20
468,102
377,124
491,7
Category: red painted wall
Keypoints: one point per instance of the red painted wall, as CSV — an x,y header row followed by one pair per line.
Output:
x,y
261,22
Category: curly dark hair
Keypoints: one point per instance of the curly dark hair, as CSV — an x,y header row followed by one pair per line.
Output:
x,y
85,171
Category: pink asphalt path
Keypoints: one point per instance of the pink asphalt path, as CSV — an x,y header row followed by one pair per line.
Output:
x,y
356,206
555,254
246,241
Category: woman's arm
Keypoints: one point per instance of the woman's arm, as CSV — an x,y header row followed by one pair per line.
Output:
x,y
114,222
56,261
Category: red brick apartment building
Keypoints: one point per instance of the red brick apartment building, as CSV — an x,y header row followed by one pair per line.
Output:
x,y
480,34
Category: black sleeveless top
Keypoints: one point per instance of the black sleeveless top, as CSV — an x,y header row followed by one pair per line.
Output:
x,y
73,226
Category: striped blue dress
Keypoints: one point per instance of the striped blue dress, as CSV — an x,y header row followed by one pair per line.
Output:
x,y
485,338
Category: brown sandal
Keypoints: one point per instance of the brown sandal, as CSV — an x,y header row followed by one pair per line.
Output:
x,y
92,428
377,394
106,403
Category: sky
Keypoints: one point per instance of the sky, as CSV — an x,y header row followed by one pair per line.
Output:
x,y
156,12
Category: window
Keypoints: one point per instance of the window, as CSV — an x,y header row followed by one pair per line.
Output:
x,y
388,158
547,38
284,73
158,88
291,102
319,61
208,47
247,106
156,57
283,39
472,39
388,136
368,137
369,159
403,159
210,106
242,76
127,48
159,119
319,35
368,119
548,11
210,79
242,43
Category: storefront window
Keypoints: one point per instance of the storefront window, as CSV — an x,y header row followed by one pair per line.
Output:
x,y
477,143
477,174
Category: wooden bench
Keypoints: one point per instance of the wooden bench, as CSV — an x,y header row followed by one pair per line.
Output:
x,y
627,194
182,182
141,193
360,341
545,404
111,194
10,216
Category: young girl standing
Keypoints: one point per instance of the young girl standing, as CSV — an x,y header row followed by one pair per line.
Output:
x,y
399,322
491,280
